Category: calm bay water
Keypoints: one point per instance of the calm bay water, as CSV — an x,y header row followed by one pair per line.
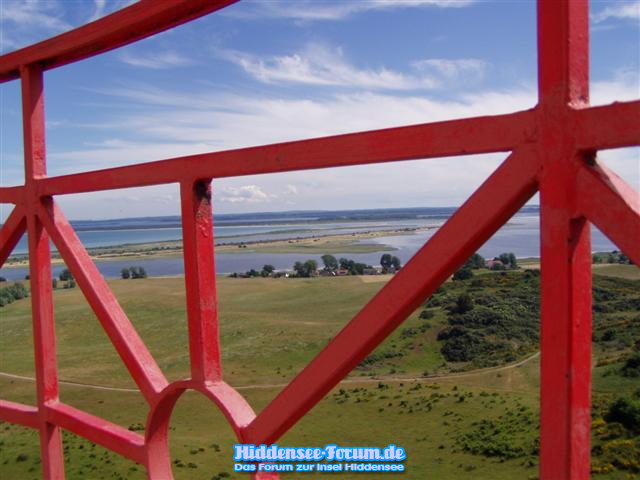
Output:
x,y
520,236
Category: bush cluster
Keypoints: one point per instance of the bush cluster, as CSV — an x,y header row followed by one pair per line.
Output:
x,y
12,293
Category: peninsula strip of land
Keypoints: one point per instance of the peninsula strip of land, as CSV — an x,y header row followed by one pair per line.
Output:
x,y
318,244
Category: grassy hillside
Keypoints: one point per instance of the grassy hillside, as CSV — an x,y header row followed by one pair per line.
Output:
x,y
480,425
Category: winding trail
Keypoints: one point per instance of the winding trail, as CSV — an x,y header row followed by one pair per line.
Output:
x,y
372,379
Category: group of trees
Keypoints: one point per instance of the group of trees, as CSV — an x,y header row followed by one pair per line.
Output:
x,y
267,271
305,269
12,293
389,263
508,261
309,268
133,272
474,262
505,261
331,264
613,257
353,267
67,277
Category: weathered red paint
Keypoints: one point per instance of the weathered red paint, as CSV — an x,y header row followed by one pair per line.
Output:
x,y
552,150
200,280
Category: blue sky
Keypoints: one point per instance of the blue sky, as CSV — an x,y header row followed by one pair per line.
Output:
x,y
267,71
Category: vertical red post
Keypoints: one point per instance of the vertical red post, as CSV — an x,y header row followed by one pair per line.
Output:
x,y
200,279
563,36
40,270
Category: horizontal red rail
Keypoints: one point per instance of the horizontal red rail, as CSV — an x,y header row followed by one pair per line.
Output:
x,y
24,415
500,133
133,23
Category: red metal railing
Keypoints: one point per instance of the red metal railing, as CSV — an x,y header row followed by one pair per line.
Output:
x,y
552,150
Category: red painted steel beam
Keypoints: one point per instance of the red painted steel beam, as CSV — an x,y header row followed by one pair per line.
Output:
x,y
11,233
455,137
563,52
24,415
133,23
497,199
44,335
11,194
32,88
609,126
565,392
143,368
97,430
200,280
612,205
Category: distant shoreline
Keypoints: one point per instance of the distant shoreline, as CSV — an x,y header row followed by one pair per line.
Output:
x,y
333,243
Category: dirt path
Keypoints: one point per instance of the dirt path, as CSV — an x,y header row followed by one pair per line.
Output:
x,y
381,378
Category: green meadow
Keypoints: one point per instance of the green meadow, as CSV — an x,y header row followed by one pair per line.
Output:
x,y
473,419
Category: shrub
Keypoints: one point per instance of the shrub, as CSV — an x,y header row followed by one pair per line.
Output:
x,y
631,367
625,411
427,314
12,293
463,274
65,275
464,303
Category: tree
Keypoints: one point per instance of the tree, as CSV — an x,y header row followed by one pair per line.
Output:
x,y
124,273
623,259
330,263
2,279
310,267
345,263
305,269
464,303
358,268
475,261
508,260
268,269
385,262
395,263
463,274
65,275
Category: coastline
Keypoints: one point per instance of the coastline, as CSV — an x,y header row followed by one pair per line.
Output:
x,y
319,244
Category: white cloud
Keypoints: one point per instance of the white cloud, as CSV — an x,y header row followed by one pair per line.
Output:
x,y
33,13
452,69
242,194
156,60
27,21
291,190
100,6
310,10
624,86
320,65
619,10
